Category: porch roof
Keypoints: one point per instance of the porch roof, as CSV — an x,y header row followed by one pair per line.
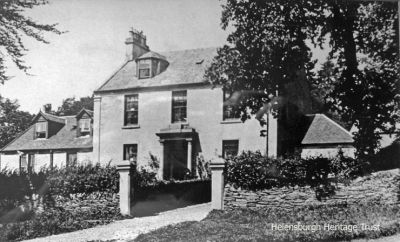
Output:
x,y
177,131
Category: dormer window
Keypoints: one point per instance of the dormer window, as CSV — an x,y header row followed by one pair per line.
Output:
x,y
144,68
41,130
84,126
150,64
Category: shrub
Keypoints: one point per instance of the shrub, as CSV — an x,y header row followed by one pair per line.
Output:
x,y
252,170
346,168
203,167
83,179
58,220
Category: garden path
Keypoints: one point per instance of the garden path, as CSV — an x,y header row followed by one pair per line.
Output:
x,y
129,229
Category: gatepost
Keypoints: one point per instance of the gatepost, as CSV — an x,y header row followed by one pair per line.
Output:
x,y
124,169
217,183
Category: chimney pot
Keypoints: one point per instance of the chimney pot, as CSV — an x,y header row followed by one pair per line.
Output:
x,y
136,44
47,108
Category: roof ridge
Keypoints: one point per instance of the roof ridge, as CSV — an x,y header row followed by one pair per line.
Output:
x,y
182,50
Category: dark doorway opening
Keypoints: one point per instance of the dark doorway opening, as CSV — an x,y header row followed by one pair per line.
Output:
x,y
175,159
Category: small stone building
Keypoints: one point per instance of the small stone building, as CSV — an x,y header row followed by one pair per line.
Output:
x,y
325,137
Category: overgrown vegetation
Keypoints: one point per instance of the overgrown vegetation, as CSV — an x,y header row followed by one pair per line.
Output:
x,y
55,220
52,189
250,225
268,51
253,171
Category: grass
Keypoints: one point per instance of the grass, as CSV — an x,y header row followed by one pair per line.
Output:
x,y
250,225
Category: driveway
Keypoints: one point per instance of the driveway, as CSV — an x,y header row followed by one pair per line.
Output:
x,y
129,229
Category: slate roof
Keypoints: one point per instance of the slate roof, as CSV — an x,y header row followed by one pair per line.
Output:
x,y
49,117
65,138
151,54
83,110
185,67
324,130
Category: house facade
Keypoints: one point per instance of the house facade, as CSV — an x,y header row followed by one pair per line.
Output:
x,y
51,141
159,104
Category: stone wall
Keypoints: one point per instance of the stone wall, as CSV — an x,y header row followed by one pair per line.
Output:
x,y
107,201
381,188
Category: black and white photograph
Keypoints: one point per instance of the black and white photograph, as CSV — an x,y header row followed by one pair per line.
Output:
x,y
207,120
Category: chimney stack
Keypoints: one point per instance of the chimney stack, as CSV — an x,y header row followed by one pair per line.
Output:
x,y
136,44
47,108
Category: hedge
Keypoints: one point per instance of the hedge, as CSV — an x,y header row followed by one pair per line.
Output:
x,y
253,171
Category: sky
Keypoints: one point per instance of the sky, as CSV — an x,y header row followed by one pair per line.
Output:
x,y
77,62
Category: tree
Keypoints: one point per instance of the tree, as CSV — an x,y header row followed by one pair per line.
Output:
x,y
14,26
364,39
268,51
71,106
12,120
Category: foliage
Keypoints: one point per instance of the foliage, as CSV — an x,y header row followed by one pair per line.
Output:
x,y
71,106
12,120
15,27
203,167
346,168
268,52
17,188
255,225
251,170
83,180
387,158
58,220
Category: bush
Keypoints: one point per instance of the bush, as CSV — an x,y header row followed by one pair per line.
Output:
x,y
83,180
251,170
58,220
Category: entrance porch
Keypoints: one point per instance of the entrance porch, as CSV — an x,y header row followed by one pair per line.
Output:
x,y
178,153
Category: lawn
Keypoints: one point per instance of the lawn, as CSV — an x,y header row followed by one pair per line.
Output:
x,y
250,225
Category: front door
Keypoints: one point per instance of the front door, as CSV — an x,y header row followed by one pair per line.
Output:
x,y
175,159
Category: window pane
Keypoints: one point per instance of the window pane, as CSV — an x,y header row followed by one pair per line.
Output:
x,y
41,129
131,109
230,110
24,163
144,73
84,125
179,105
130,152
230,148
72,159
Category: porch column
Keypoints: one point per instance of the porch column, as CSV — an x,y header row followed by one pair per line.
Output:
x,y
161,169
189,155
124,169
51,159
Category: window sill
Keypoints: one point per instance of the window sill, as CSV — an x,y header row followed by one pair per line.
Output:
x,y
84,136
136,126
231,121
180,122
